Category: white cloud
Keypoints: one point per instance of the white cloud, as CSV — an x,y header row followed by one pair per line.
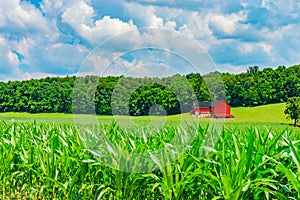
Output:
x,y
138,68
80,16
2,18
246,48
135,68
9,61
148,17
196,26
21,16
56,37
79,13
24,46
171,25
51,8
60,58
228,24
13,58
233,69
266,47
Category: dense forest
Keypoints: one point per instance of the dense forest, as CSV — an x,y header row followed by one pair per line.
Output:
x,y
136,96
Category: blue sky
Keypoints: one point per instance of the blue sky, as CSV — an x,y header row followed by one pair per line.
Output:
x,y
40,38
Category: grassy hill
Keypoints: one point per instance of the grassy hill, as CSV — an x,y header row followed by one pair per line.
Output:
x,y
267,113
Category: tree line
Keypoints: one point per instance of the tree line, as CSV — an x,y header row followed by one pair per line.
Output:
x,y
136,96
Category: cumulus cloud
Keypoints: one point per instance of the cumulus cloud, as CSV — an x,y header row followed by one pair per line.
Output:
x,y
55,37
21,16
9,61
226,24
30,42
80,16
52,8
146,16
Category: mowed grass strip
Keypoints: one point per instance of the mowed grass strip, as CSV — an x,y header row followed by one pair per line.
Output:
x,y
84,118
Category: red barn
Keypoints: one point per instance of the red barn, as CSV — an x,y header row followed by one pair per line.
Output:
x,y
218,109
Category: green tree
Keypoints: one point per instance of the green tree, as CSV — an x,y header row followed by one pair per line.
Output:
x,y
137,95
293,109
252,70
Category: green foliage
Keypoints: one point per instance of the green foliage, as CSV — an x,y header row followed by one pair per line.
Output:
x,y
50,161
261,87
35,96
293,109
136,96
153,94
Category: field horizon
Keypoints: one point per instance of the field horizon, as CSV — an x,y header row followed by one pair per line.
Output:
x,y
271,113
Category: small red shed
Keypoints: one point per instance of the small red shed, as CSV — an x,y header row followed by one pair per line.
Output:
x,y
221,110
218,109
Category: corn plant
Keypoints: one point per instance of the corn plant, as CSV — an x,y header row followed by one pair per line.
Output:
x,y
57,161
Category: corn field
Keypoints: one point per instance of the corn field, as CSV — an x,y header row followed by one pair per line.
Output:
x,y
51,161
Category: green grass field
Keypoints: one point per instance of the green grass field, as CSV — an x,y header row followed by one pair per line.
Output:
x,y
272,113
271,116
267,113
268,116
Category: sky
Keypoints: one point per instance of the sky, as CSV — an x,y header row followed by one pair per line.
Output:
x,y
40,38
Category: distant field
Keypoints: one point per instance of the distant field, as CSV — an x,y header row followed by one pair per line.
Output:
x,y
69,118
267,113
272,113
